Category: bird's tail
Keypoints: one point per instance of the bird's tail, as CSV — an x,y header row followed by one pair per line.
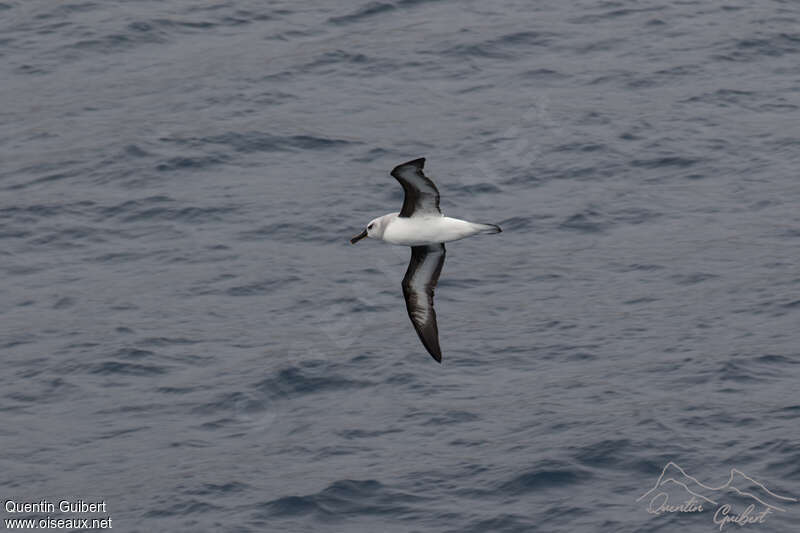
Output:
x,y
488,228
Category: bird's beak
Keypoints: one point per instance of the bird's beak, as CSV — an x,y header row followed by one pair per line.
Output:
x,y
358,237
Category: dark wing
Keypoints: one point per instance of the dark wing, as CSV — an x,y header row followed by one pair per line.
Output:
x,y
422,196
418,284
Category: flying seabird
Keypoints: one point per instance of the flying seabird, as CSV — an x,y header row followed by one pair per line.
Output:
x,y
421,225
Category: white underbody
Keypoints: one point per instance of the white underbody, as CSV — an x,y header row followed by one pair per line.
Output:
x,y
426,229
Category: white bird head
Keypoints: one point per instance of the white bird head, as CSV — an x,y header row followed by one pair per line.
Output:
x,y
374,229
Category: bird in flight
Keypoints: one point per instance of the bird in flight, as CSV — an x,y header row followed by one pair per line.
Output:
x,y
421,225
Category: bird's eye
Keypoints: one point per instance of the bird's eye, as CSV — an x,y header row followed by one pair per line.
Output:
x,y
370,226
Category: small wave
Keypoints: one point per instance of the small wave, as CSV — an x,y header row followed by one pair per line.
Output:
x,y
64,303
612,14
660,162
581,147
504,47
181,508
75,237
351,434
679,71
517,223
634,216
642,300
135,151
180,390
722,97
548,475
234,401
119,432
153,209
130,206
182,24
329,62
129,369
167,341
369,10
43,210
451,417
293,506
755,48
791,412
23,270
133,353
159,30
261,142
218,489
460,282
119,257
31,70
581,356
502,523
288,232
639,267
372,9
343,498
295,381
542,74
48,179
693,278
260,288
239,17
749,370
116,42
17,339
774,359
474,189
604,453
191,163
588,221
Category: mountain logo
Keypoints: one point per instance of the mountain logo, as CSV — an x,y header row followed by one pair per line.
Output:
x,y
694,496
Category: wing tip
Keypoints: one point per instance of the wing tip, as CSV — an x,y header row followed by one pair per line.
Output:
x,y
432,345
418,163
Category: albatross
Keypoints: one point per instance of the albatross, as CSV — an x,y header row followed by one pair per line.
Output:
x,y
421,225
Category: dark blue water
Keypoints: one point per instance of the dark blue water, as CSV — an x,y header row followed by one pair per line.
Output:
x,y
187,335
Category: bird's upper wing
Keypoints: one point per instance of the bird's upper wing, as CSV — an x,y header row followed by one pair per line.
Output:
x,y
418,284
421,195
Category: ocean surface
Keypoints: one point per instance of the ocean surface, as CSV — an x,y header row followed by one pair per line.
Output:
x,y
187,335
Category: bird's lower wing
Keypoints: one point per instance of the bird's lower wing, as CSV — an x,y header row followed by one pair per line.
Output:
x,y
418,284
